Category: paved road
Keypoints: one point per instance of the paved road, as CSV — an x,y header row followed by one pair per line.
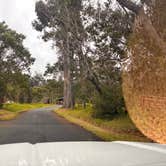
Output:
x,y
42,125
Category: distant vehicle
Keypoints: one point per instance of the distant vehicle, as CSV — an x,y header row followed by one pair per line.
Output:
x,y
60,101
9,102
83,154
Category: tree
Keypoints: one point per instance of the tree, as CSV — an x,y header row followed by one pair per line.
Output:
x,y
103,26
46,90
19,88
144,74
14,57
144,21
56,18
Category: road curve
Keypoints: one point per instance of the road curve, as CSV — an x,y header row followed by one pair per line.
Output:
x,y
42,125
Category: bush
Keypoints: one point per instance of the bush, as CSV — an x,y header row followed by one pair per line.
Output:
x,y
110,103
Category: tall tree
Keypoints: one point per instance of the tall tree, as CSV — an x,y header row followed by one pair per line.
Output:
x,y
14,57
57,19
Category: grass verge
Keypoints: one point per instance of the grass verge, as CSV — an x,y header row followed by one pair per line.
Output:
x,y
10,111
7,115
120,128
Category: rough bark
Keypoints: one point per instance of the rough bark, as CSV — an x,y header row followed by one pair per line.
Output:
x,y
144,21
68,92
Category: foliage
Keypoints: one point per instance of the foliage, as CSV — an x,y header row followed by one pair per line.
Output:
x,y
110,103
14,60
19,88
92,69
14,57
58,21
46,90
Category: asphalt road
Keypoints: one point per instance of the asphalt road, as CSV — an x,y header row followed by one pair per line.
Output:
x,y
42,125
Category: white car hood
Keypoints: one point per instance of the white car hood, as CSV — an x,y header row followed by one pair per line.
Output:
x,y
83,154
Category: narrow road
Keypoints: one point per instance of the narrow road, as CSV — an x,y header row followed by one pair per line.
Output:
x,y
42,125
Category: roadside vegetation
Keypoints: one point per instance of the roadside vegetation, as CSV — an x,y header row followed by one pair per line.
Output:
x,y
10,111
117,128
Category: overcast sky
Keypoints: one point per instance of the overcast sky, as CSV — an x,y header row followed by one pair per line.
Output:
x,y
19,14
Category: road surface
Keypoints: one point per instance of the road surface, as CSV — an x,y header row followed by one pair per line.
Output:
x,y
42,125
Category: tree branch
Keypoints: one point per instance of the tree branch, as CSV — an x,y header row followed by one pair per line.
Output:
x,y
129,5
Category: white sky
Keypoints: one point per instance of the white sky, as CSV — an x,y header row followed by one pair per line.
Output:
x,y
19,14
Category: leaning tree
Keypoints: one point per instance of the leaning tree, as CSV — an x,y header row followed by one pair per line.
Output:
x,y
145,69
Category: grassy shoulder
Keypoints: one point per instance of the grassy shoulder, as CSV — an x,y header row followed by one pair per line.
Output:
x,y
120,128
10,111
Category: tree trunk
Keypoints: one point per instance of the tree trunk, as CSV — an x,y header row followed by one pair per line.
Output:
x,y
68,92
143,20
68,81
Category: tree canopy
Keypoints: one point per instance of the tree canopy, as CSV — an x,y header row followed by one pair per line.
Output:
x,y
14,58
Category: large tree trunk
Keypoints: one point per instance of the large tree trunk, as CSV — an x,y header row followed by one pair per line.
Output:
x,y
68,80
144,21
68,92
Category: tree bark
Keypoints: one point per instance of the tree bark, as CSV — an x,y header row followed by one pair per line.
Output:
x,y
68,88
143,20
68,93
150,30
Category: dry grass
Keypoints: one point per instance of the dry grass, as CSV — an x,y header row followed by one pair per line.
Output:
x,y
7,115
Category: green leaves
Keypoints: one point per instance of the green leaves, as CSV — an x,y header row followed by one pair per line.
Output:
x,y
14,60
13,55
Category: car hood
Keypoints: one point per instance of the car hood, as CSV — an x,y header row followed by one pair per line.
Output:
x,y
83,154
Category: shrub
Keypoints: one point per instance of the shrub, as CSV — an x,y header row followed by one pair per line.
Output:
x,y
110,103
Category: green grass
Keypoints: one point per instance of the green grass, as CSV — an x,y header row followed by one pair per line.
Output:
x,y
16,107
10,111
118,129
